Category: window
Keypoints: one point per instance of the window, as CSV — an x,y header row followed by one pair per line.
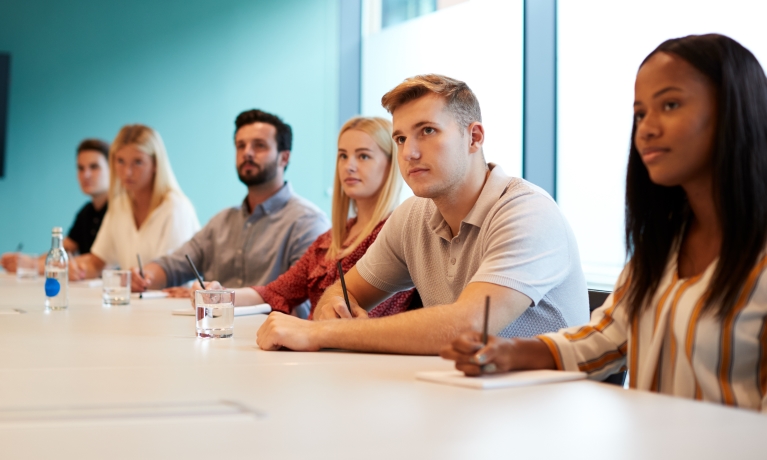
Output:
x,y
477,41
600,46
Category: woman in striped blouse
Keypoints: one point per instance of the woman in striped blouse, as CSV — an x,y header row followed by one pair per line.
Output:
x,y
689,313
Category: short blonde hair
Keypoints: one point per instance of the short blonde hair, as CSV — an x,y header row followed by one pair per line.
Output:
x,y
148,141
380,130
460,99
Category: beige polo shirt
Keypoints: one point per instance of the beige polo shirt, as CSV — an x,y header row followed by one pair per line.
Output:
x,y
514,236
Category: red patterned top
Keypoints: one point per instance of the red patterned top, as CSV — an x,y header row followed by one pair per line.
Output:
x,y
314,273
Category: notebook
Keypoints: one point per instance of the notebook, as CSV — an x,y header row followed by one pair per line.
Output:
x,y
504,380
238,311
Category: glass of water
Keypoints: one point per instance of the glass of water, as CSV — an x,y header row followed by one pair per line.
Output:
x,y
215,313
116,287
26,266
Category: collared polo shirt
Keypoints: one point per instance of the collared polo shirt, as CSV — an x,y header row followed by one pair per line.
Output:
x,y
514,236
241,248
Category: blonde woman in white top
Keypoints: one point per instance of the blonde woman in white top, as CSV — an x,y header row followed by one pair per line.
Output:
x,y
148,213
689,313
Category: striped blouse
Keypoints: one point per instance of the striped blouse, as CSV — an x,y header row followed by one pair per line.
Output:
x,y
673,348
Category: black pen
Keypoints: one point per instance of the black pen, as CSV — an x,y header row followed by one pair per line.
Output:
x,y
343,286
140,272
194,269
487,314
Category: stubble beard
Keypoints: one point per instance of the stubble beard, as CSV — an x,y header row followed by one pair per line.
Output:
x,y
265,174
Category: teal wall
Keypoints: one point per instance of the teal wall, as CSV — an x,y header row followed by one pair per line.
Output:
x,y
84,68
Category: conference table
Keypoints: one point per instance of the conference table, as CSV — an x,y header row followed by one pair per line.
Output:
x,y
133,381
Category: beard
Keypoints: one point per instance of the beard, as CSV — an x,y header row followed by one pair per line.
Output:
x,y
265,173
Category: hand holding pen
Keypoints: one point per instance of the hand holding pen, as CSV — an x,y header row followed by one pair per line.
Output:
x,y
344,307
476,353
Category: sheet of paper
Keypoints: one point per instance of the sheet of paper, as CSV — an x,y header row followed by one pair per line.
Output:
x,y
150,295
94,283
238,311
505,380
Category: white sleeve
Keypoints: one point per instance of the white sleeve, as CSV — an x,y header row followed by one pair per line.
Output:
x,y
104,247
180,226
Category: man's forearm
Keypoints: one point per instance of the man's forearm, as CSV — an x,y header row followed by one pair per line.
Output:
x,y
427,330
421,332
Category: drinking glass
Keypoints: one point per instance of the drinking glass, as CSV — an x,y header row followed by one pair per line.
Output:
x,y
26,266
215,313
116,287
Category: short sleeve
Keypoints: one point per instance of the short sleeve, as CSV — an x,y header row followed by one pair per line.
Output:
x,y
384,265
526,246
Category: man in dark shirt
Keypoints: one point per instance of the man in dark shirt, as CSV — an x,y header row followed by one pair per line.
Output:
x,y
93,175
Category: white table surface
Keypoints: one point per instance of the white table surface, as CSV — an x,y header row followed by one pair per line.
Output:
x,y
330,404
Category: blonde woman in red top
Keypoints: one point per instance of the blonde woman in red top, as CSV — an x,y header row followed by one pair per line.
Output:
x,y
368,183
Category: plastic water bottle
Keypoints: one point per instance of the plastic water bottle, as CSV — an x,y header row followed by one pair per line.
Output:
x,y
57,273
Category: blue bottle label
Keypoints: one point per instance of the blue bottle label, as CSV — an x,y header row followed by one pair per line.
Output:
x,y
52,287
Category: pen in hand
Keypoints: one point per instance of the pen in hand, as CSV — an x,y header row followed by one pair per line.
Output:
x,y
343,286
194,269
481,359
487,314
140,272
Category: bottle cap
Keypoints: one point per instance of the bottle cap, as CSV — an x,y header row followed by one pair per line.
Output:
x,y
57,230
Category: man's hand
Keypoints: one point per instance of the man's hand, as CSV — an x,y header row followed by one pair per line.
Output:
x,y
209,285
335,307
281,330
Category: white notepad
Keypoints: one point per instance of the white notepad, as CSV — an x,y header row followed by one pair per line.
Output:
x,y
149,295
504,380
94,283
238,311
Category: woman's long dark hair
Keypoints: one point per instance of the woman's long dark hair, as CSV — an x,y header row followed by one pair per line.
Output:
x,y
656,215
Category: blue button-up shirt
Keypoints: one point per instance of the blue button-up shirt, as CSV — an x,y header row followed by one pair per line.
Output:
x,y
242,248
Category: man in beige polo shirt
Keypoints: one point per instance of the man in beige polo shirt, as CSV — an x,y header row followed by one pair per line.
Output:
x,y
470,231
